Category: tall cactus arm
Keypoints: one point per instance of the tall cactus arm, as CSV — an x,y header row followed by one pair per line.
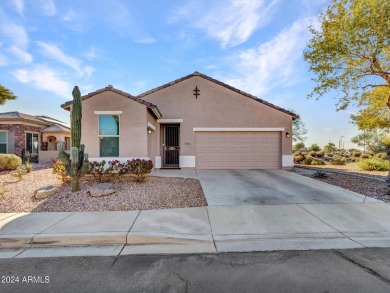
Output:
x,y
76,118
85,166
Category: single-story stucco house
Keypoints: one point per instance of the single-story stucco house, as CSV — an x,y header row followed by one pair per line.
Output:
x,y
193,122
37,135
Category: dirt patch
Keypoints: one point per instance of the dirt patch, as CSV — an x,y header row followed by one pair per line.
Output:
x,y
153,193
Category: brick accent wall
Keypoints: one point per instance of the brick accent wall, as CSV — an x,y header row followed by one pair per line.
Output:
x,y
19,131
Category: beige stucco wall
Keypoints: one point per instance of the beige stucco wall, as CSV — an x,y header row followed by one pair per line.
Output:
x,y
217,106
48,156
132,125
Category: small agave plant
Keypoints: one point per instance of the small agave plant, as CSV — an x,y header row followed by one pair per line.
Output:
x,y
320,174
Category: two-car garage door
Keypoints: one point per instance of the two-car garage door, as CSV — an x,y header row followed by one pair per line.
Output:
x,y
238,150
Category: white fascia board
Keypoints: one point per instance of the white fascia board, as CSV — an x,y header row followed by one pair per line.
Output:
x,y
169,120
235,129
151,126
108,112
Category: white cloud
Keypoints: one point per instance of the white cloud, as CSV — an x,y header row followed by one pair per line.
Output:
x,y
16,34
19,6
91,54
230,23
276,63
52,51
145,40
44,78
22,55
3,60
70,15
48,7
16,41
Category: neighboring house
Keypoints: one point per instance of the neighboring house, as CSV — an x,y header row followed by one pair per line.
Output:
x,y
37,135
193,122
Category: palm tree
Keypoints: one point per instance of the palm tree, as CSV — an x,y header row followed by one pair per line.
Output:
x,y
5,95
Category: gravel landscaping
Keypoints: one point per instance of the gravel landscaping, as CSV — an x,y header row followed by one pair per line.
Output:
x,y
369,187
153,193
348,168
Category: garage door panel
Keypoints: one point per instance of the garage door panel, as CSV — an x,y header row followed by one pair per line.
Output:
x,y
238,150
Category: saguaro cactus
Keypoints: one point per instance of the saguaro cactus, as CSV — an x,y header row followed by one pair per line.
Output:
x,y
76,163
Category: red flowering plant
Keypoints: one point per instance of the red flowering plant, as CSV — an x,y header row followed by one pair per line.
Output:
x,y
140,168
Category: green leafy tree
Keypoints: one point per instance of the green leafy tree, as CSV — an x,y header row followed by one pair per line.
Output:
x,y
299,146
371,140
374,114
330,148
351,51
299,129
314,147
5,95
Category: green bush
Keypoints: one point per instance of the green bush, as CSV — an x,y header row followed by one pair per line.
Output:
x,y
337,161
298,159
356,154
382,156
320,154
330,155
373,165
297,153
317,162
312,154
307,160
365,156
9,162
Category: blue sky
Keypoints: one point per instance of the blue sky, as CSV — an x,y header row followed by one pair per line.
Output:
x,y
48,46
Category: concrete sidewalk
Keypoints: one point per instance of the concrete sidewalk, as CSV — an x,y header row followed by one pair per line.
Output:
x,y
196,230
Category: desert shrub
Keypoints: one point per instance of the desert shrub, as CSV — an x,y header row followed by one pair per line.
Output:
x,y
59,170
320,154
307,160
337,161
298,159
140,167
19,172
356,154
317,162
373,165
320,174
97,169
116,167
330,155
382,156
9,162
312,154
297,153
365,156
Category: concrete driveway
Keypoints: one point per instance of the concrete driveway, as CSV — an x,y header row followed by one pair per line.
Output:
x,y
270,187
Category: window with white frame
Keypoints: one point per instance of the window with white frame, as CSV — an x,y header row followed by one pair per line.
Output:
x,y
109,135
32,142
3,142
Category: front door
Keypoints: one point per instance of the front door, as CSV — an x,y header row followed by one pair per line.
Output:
x,y
171,146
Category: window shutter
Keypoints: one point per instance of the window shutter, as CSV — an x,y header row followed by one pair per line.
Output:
x,y
11,143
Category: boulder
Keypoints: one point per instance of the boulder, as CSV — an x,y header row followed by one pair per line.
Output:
x,y
101,189
45,192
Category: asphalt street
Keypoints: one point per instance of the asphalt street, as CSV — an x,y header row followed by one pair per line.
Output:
x,y
360,270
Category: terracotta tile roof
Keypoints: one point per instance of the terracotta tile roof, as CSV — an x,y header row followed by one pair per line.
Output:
x,y
154,109
295,116
49,124
56,128
22,116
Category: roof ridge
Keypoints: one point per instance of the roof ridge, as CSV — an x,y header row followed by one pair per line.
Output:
x,y
196,73
120,92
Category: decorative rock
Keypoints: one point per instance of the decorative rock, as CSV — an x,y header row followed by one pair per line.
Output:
x,y
45,192
101,189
